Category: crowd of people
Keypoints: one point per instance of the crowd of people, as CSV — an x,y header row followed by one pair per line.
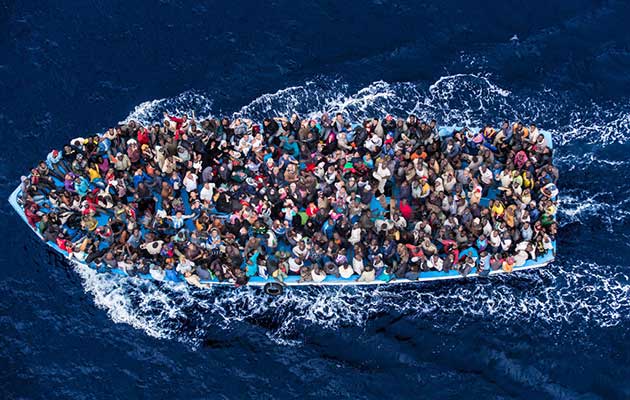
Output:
x,y
230,199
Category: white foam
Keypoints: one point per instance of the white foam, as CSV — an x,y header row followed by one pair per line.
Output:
x,y
577,293
131,301
571,161
597,125
583,207
150,112
454,99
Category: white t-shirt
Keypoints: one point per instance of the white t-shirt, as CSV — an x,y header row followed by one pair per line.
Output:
x,y
157,273
318,277
486,176
294,266
207,192
190,182
185,266
154,247
357,266
345,271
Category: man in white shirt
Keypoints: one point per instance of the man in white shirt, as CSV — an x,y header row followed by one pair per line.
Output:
x,y
207,192
190,181
185,265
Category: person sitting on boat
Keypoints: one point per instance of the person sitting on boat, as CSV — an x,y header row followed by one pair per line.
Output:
x,y
214,242
295,264
435,262
467,266
53,162
378,265
484,268
193,279
345,271
301,250
367,274
318,275
305,273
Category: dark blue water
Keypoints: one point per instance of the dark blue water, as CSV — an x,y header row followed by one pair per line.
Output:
x,y
74,67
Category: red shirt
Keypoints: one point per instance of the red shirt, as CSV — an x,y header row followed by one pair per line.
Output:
x,y
61,243
178,121
143,136
311,210
31,214
406,210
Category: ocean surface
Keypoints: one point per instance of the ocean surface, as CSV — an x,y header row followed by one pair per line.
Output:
x,y
68,68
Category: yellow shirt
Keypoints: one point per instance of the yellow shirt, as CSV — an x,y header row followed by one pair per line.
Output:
x,y
528,183
497,209
94,174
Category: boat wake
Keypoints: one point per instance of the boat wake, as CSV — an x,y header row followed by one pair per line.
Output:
x,y
574,290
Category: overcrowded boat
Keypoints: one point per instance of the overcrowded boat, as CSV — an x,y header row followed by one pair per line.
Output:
x,y
298,201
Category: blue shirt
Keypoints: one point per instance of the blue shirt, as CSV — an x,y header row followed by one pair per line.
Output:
x,y
171,275
139,178
52,160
